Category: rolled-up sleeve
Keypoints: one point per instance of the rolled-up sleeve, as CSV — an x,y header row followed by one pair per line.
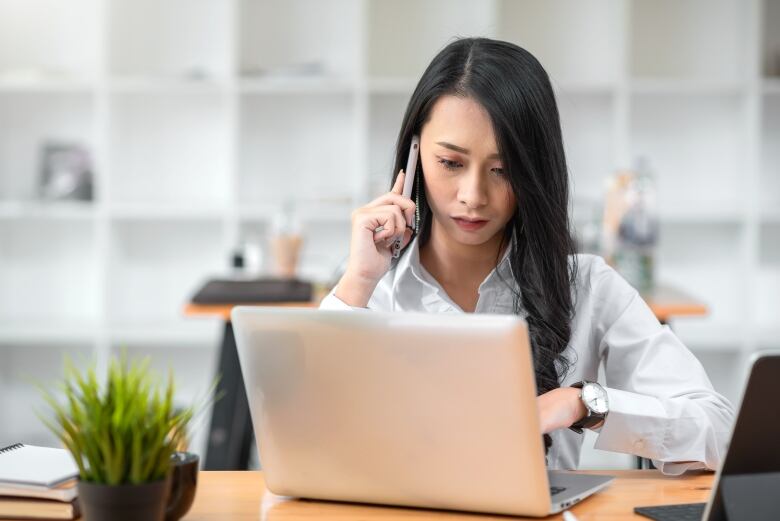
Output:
x,y
662,405
332,302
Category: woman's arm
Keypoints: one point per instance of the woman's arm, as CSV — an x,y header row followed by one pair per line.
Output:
x,y
662,405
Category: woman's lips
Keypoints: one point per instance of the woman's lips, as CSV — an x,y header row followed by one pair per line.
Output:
x,y
469,226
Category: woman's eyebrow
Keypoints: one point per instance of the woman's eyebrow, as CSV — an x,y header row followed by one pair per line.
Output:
x,y
462,150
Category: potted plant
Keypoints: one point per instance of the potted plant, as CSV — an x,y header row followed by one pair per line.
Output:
x,y
122,436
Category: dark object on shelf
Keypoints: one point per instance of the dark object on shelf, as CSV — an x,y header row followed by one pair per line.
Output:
x,y
66,172
253,291
683,512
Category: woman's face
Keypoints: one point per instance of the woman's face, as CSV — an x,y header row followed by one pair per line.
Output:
x,y
470,198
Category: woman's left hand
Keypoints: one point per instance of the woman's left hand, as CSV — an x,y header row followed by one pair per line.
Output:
x,y
560,408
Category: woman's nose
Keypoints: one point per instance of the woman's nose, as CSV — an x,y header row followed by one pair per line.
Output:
x,y
472,190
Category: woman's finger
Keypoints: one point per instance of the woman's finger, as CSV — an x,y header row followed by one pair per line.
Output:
x,y
398,187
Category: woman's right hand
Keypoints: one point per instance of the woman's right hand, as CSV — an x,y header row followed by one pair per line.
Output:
x,y
375,228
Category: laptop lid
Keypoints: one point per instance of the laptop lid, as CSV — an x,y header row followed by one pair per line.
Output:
x,y
441,408
753,450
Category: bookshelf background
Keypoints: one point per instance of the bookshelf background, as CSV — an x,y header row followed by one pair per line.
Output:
x,y
205,118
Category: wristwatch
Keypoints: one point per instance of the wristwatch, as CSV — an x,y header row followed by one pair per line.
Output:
x,y
594,397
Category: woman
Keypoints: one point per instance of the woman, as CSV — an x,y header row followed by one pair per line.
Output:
x,y
490,210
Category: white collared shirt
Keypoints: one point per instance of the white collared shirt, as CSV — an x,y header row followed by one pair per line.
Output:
x,y
662,405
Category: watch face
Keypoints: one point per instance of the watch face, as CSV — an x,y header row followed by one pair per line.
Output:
x,y
595,397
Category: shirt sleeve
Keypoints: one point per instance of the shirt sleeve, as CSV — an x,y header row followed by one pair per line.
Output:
x,y
662,405
381,299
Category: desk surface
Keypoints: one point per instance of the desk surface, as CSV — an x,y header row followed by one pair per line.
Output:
x,y
234,496
666,302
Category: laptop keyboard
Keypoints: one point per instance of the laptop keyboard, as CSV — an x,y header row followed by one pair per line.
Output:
x,y
556,490
684,512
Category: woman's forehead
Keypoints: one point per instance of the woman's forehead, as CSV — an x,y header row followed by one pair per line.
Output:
x,y
461,121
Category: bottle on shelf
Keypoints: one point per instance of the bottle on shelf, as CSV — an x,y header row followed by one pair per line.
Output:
x,y
631,225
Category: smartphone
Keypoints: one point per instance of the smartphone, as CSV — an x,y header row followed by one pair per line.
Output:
x,y
411,170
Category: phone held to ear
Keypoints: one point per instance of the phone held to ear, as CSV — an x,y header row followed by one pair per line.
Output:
x,y
411,170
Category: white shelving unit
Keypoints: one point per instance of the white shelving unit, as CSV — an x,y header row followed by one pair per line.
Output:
x,y
204,118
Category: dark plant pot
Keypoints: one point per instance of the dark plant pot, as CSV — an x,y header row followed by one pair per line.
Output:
x,y
145,502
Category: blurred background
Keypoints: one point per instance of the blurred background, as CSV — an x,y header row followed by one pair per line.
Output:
x,y
146,144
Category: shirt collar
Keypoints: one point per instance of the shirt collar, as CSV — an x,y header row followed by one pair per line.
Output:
x,y
409,266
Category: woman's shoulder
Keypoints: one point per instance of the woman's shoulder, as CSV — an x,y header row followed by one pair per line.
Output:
x,y
599,282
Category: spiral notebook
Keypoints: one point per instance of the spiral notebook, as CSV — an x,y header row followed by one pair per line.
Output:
x,y
27,465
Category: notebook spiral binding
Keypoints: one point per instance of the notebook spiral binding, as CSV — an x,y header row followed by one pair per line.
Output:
x,y
11,447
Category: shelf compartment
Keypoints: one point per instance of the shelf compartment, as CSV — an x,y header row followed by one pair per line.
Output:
x,y
20,400
299,39
27,122
770,59
433,24
325,247
385,114
587,123
296,148
700,260
769,184
49,38
676,39
48,272
589,52
181,39
169,149
155,267
767,278
695,146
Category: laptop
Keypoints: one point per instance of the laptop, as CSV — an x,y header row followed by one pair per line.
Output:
x,y
747,482
411,409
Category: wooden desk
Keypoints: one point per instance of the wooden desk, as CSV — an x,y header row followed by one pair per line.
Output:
x,y
235,496
666,302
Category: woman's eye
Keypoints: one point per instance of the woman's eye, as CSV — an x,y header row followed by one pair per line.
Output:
x,y
449,164
498,171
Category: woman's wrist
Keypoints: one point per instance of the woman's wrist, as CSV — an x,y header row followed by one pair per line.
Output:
x,y
355,290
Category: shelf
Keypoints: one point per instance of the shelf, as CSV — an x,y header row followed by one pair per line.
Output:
x,y
169,149
401,85
715,214
676,39
294,36
404,35
28,122
185,333
49,37
700,336
32,83
159,212
586,123
166,85
771,86
48,271
296,148
769,175
155,267
297,85
590,52
337,210
686,86
768,337
771,215
43,210
695,145
770,46
180,38
47,332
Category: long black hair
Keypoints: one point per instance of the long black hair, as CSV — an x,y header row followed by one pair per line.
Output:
x,y
515,90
